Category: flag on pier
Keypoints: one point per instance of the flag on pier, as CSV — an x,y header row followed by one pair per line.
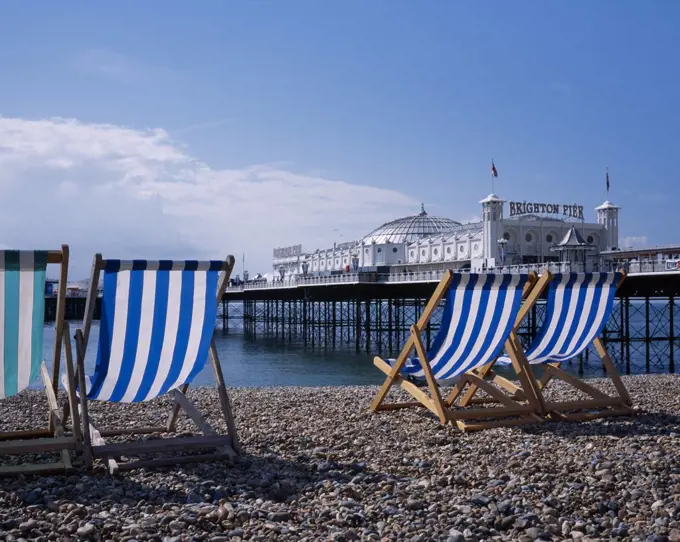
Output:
x,y
494,173
607,180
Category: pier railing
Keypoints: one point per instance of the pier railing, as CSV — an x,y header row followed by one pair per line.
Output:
x,y
298,281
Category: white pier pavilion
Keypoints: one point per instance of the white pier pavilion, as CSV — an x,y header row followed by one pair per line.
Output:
x,y
529,233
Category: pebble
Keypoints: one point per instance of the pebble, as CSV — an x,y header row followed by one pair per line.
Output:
x,y
318,465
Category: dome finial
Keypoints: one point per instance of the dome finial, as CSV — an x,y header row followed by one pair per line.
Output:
x,y
422,209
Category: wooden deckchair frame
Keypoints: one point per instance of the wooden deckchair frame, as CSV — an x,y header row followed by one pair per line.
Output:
x,y
54,437
603,404
226,446
444,409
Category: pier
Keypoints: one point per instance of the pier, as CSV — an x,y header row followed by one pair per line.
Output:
x,y
373,313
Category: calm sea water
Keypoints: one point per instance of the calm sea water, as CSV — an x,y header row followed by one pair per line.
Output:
x,y
258,363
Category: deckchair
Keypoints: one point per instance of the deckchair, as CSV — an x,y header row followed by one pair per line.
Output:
x,y
577,309
22,322
156,334
480,316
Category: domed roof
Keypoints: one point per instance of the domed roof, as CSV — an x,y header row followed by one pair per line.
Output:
x,y
411,228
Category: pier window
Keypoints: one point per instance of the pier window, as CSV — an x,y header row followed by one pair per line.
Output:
x,y
590,239
506,236
549,238
394,249
436,252
528,237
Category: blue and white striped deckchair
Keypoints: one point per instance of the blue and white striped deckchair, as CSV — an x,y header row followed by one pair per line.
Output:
x,y
480,314
155,337
577,309
22,321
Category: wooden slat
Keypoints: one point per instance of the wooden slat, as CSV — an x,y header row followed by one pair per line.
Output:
x,y
59,316
91,300
25,434
33,468
131,431
72,403
161,445
431,383
82,407
612,372
225,404
38,446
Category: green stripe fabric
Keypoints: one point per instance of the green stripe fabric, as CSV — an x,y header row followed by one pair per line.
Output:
x,y
23,312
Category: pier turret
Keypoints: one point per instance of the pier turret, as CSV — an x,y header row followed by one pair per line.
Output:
x,y
492,218
608,216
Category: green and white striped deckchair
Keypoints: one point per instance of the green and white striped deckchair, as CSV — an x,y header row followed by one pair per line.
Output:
x,y
22,321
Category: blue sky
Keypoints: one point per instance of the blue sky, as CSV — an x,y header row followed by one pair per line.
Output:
x,y
302,119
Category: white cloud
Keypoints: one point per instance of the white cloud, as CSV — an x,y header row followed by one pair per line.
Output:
x,y
130,193
634,241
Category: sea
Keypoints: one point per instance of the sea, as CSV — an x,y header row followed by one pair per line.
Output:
x,y
261,361
250,363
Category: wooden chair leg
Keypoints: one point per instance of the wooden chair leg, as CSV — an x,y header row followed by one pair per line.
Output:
x,y
225,403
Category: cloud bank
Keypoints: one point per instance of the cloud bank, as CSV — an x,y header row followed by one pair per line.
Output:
x,y
138,194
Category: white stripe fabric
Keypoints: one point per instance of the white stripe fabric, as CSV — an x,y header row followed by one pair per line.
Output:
x,y
479,314
26,289
578,307
156,325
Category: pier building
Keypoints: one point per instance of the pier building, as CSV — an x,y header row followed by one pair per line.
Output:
x,y
510,233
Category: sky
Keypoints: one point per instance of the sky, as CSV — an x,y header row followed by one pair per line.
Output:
x,y
196,130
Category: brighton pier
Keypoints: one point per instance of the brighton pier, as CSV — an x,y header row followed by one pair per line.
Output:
x,y
366,294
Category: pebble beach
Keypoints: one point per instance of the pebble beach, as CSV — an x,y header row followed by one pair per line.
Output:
x,y
316,465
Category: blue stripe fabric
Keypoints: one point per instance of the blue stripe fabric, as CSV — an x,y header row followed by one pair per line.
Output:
x,y
158,320
22,318
479,313
578,307
38,319
209,317
157,331
11,357
182,339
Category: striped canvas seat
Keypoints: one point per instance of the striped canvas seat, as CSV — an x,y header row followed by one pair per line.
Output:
x,y
22,318
578,307
479,314
157,322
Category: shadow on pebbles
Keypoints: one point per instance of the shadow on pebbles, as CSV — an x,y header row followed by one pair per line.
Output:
x,y
317,465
